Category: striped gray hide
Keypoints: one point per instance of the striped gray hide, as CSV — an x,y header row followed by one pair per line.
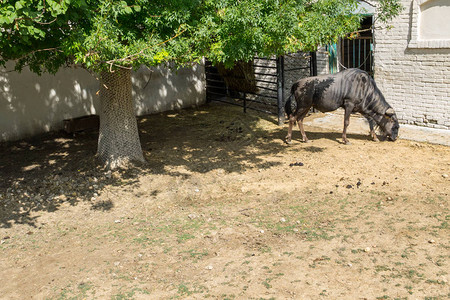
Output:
x,y
353,90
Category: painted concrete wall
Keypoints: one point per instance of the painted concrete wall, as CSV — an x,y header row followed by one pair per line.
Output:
x,y
32,104
412,67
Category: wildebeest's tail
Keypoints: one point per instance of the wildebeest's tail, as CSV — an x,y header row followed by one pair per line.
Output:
x,y
287,106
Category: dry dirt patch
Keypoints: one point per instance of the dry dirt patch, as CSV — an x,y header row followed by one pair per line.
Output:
x,y
224,209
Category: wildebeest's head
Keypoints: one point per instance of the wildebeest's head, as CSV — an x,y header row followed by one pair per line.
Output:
x,y
389,124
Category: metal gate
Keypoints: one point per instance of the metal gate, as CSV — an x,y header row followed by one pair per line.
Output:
x,y
357,53
271,77
354,52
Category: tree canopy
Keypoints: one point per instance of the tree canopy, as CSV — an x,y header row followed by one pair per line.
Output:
x,y
47,34
105,34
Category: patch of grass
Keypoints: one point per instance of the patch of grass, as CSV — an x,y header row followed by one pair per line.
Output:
x,y
265,249
147,241
129,294
381,268
194,255
319,260
411,274
183,290
409,289
82,291
317,234
406,252
440,262
266,283
443,225
181,238
432,281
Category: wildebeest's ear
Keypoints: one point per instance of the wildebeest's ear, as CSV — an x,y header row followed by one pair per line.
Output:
x,y
390,112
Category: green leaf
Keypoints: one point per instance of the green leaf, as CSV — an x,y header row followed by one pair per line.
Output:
x,y
127,10
19,5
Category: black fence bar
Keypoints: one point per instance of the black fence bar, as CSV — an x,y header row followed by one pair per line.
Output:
x,y
215,80
259,95
245,102
296,69
267,89
223,100
214,93
313,64
280,88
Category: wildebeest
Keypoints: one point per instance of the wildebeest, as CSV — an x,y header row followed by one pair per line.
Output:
x,y
352,89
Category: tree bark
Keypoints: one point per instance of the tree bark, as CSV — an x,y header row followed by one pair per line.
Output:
x,y
118,142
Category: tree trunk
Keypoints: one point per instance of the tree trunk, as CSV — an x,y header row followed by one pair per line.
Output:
x,y
118,141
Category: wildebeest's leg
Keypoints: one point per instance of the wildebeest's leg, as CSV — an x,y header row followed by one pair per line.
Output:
x,y
292,120
301,116
348,110
372,125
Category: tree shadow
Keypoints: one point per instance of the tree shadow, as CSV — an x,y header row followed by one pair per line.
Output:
x,y
46,172
217,136
43,173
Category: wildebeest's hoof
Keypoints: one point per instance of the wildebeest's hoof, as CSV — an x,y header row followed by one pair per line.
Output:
x,y
306,141
347,143
288,142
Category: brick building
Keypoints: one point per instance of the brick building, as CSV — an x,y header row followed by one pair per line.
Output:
x,y
412,63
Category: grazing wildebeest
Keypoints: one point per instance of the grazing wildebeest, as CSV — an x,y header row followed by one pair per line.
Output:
x,y
352,89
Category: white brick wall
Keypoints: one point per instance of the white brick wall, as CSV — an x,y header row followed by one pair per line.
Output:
x,y
415,80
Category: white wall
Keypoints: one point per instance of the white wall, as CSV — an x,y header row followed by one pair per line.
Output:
x,y
413,71
161,89
32,104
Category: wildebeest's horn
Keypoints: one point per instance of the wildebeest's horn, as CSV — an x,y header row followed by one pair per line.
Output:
x,y
390,111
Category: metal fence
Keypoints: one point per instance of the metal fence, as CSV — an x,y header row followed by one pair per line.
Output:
x,y
273,78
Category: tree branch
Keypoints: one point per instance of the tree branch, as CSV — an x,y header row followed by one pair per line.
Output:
x,y
44,10
368,3
40,50
131,57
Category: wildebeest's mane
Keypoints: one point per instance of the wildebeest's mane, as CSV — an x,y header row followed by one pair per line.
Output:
x,y
375,102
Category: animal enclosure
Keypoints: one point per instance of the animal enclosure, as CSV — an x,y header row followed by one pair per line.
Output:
x,y
224,209
262,84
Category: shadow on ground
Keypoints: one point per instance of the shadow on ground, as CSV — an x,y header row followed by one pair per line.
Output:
x,y
45,172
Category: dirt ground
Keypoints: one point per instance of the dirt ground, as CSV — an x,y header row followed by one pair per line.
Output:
x,y
224,209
